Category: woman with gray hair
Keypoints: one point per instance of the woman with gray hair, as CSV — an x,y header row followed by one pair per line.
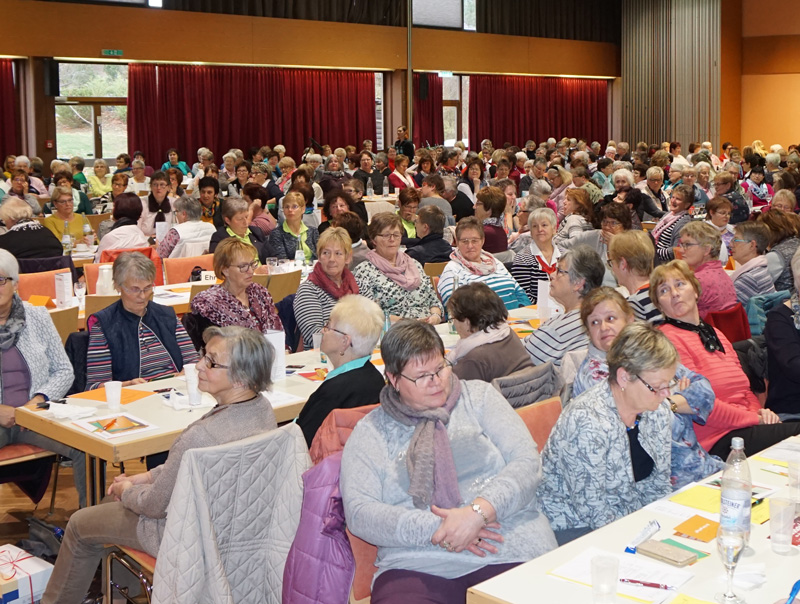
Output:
x,y
35,368
609,452
537,260
236,216
135,340
190,236
333,176
138,183
348,339
25,237
468,465
235,367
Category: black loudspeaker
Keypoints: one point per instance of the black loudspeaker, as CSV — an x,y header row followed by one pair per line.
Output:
x,y
423,86
51,84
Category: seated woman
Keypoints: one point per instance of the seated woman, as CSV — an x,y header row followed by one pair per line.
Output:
x,y
135,340
705,350
430,245
783,243
604,313
100,181
666,233
537,261
470,263
329,282
21,189
395,281
157,207
783,348
726,186
189,236
751,277
578,272
400,179
65,216
284,240
488,347
408,200
119,185
174,161
175,178
486,466
578,215
348,339
236,216
237,300
138,183
80,201
472,181
490,207
336,202
630,257
758,192
718,213
333,177
234,369
700,244
609,452
35,368
261,207
125,232
242,178
25,237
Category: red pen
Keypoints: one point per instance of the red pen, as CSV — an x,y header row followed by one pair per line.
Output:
x,y
646,584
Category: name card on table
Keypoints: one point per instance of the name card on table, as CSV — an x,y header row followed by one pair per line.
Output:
x,y
208,277
37,300
63,289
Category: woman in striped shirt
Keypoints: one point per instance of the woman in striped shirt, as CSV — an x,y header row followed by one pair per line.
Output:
x,y
666,233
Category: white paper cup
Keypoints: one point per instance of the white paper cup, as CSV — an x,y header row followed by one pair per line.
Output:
x,y
781,523
114,395
317,346
605,575
190,372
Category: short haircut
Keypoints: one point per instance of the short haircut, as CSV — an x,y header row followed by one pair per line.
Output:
x,y
233,206
779,224
754,231
637,249
125,158
228,251
350,222
15,209
250,356
255,192
540,214
120,178
604,162
664,271
584,264
261,168
788,195
623,173
640,347
58,192
158,177
78,163
493,200
332,196
407,340
477,303
655,173
360,318
469,223
540,188
718,203
433,217
383,221
127,205
408,195
294,196
134,265
209,181
705,235
795,263
66,175
435,181
357,185
191,206
101,163
600,295
583,205
618,212
503,183
8,263
686,193
335,236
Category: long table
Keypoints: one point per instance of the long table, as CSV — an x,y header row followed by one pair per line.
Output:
x,y
518,585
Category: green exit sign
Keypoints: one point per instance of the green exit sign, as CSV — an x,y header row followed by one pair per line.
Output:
x,y
112,52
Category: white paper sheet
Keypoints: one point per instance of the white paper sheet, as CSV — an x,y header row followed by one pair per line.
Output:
x,y
282,399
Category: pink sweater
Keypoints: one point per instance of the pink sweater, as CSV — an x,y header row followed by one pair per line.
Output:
x,y
735,406
718,292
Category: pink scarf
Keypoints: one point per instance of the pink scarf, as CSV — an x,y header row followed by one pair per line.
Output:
x,y
404,272
667,221
485,266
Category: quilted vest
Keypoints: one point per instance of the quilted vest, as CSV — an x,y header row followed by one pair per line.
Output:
x,y
786,249
121,329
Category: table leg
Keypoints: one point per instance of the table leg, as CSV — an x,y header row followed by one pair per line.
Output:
x,y
90,491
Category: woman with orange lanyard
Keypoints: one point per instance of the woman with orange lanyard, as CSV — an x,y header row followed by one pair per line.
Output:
x,y
538,260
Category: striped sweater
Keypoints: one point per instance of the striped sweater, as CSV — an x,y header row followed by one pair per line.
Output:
x,y
752,280
528,272
556,337
500,281
312,309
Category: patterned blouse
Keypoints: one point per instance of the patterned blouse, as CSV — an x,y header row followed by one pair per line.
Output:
x,y
588,473
222,308
393,299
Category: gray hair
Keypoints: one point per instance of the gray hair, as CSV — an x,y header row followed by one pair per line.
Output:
x,y
22,161
250,355
14,209
542,213
625,173
57,165
521,155
361,319
191,206
640,347
584,264
540,188
201,150
332,157
450,183
705,235
9,265
582,155
133,264
382,157
137,163
279,149
531,203
622,165
232,206
314,157
409,339
773,159
261,168
205,154
229,155
655,172
754,231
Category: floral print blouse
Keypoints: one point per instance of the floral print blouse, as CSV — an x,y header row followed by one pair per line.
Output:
x,y
393,299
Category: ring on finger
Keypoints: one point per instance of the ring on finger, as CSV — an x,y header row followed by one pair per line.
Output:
x,y
446,545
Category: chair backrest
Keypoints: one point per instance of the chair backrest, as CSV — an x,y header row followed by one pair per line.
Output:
x,y
732,322
196,288
76,347
283,284
39,219
529,385
187,249
39,265
91,272
179,270
111,255
261,279
540,418
66,321
95,303
96,219
41,284
434,269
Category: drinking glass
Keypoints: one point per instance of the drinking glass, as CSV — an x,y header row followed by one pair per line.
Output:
x,y
272,265
80,291
730,543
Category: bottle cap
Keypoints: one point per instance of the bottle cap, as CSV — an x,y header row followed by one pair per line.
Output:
x,y
737,443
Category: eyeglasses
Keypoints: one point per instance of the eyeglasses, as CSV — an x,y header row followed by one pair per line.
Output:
x,y
63,201
609,263
390,236
428,378
211,363
722,213
610,224
470,241
558,271
686,245
657,391
247,266
327,327
4,280
739,241
135,291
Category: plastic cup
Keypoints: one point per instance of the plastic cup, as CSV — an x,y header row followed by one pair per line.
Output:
x,y
190,372
605,575
781,523
317,344
114,395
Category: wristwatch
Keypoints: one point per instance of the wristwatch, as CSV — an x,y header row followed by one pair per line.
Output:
x,y
476,507
672,405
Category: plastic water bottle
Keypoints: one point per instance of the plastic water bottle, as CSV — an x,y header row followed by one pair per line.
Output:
x,y
385,188
299,257
66,239
737,490
87,230
370,188
387,323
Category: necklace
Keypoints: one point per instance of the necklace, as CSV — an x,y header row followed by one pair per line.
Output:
x,y
636,423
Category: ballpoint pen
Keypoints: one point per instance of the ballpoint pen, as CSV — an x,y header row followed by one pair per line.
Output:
x,y
107,426
758,501
646,584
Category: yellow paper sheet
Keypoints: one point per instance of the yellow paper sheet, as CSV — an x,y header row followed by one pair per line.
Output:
x,y
128,395
684,599
706,499
776,462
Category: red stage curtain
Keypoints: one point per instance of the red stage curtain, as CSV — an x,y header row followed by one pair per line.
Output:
x,y
428,121
515,109
9,145
223,107
143,127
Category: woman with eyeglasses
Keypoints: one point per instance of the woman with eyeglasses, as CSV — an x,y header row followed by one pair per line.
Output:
x,y
237,300
157,207
242,178
609,452
718,215
235,368
135,340
431,475
705,350
63,204
348,339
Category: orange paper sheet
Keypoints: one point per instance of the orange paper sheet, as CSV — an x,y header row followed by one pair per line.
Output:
x,y
128,395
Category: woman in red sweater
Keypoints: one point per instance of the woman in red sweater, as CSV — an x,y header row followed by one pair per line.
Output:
x,y
705,350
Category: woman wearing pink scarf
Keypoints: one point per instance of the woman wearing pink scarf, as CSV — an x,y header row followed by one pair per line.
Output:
x,y
667,232
392,279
